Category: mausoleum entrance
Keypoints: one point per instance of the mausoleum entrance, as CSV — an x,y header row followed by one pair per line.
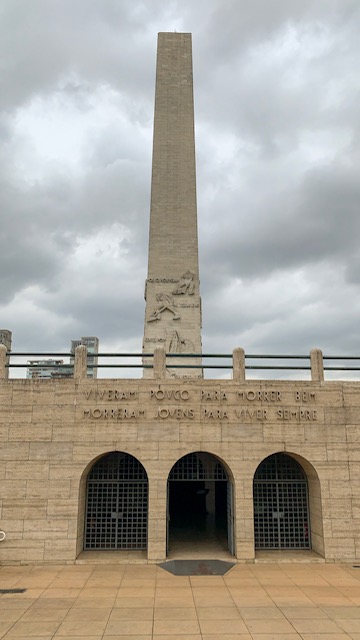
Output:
x,y
281,504
116,504
200,506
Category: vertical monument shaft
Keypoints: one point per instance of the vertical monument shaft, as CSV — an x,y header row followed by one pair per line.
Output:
x,y
173,311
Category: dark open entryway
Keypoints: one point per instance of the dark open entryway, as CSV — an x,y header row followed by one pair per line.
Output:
x,y
200,506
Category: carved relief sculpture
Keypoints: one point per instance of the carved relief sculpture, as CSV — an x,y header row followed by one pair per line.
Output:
x,y
177,344
165,302
186,285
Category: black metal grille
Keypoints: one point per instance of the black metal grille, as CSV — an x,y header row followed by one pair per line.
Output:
x,y
191,467
281,512
117,504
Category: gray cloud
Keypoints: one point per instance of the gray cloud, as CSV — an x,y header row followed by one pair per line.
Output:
x,y
276,94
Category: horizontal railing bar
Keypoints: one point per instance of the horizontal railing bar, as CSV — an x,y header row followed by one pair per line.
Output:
x,y
341,368
91,366
174,355
341,357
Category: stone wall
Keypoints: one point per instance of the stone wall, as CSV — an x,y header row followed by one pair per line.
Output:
x,y
52,432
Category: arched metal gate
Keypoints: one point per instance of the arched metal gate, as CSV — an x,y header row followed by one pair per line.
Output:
x,y
116,504
281,504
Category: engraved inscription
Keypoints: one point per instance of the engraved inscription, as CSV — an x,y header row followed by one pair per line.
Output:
x,y
110,394
305,396
165,413
262,396
119,413
296,413
215,414
251,415
213,395
173,394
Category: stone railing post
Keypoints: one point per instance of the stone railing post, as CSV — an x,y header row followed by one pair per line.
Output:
x,y
238,357
159,363
4,371
80,363
317,365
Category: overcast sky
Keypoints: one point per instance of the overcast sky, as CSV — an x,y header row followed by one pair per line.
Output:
x,y
277,95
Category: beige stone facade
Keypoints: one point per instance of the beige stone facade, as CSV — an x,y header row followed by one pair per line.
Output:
x,y
53,431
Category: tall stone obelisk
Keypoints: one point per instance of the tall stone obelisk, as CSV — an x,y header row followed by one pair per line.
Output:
x,y
173,305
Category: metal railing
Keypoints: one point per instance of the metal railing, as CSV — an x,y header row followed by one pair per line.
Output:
x,y
206,361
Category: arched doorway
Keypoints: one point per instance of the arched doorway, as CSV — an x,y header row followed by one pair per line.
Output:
x,y
281,504
116,504
200,505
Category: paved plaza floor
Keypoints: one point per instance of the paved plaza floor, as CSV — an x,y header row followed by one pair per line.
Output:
x,y
277,601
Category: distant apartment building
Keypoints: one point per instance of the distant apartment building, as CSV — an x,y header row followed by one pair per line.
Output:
x,y
54,368
48,368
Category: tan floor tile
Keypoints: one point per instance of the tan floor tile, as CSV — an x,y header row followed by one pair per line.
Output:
x,y
128,627
223,626
132,614
300,600
98,637
317,626
342,612
29,594
10,615
31,629
178,627
192,636
127,637
16,603
348,625
61,593
72,581
134,602
5,625
307,613
103,592
270,626
53,603
80,628
225,636
207,581
47,614
174,602
48,636
141,592
165,578
91,603
252,601
175,591
110,580
326,596
261,613
218,613
175,613
136,582
87,615
325,636
279,636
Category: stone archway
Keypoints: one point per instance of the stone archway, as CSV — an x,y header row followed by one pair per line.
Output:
x,y
200,505
287,504
116,504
